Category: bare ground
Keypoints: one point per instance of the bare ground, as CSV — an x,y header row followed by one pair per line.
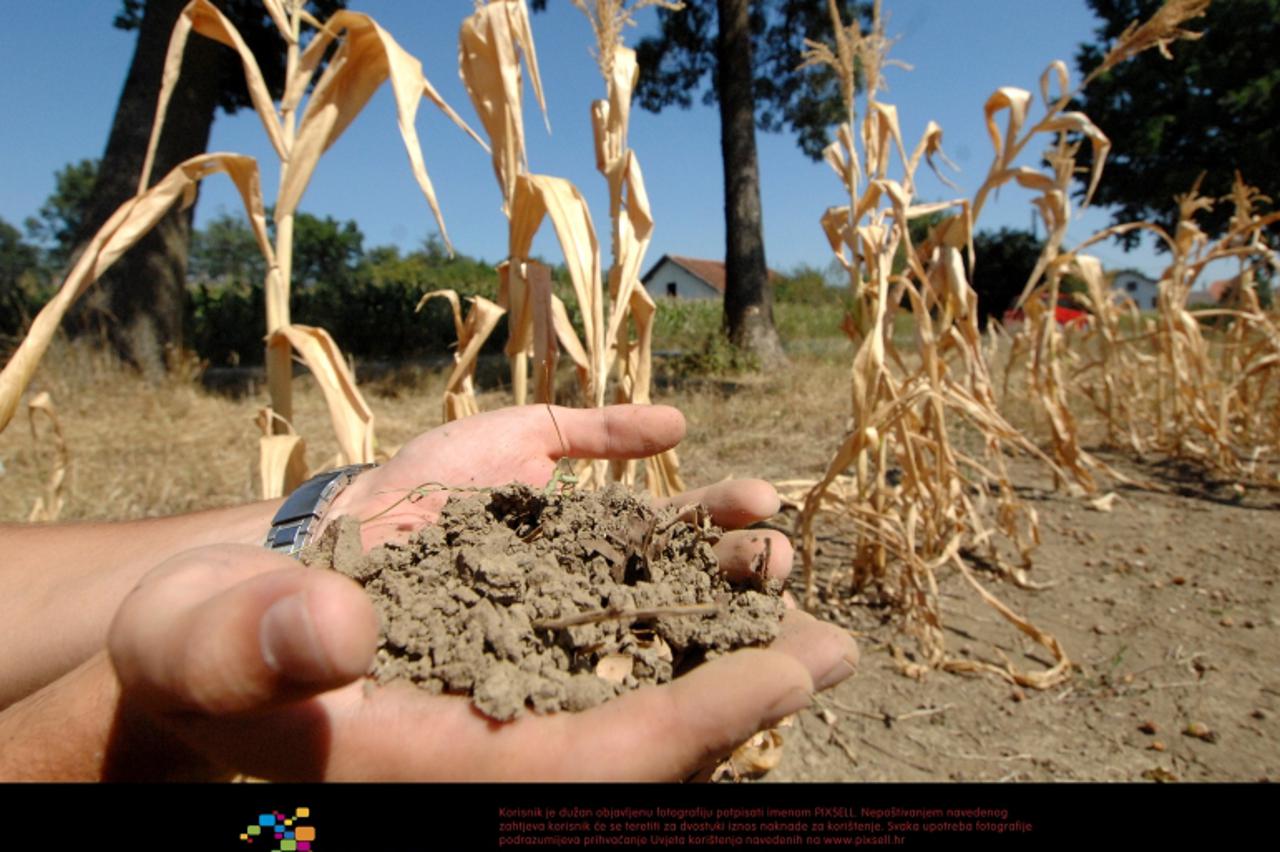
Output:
x,y
1168,607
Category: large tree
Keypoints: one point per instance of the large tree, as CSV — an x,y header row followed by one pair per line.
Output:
x,y
743,55
1213,108
138,303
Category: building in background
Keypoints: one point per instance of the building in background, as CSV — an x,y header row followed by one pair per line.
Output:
x,y
678,277
1135,285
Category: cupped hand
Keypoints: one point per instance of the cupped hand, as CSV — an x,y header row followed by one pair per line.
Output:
x,y
256,662
520,444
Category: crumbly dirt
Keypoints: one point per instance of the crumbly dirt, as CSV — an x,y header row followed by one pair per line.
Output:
x,y
529,601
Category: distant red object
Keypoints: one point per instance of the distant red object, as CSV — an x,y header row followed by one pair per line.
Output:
x,y
1071,318
1068,317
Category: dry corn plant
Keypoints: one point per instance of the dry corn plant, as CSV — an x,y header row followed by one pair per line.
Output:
x,y
1042,339
363,57
918,503
493,41
117,235
49,506
1179,400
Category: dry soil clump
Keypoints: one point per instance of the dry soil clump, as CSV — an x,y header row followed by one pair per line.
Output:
x,y
523,599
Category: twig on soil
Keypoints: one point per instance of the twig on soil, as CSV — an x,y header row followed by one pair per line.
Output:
x,y
930,771
844,746
598,615
887,717
418,493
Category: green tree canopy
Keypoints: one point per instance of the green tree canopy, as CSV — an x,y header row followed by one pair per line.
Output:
x,y
1213,108
325,250
20,278
226,251
681,62
1004,260
61,218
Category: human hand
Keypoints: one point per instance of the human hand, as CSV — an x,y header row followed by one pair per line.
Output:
x,y
520,444
255,661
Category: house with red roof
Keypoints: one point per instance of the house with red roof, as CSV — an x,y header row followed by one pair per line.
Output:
x,y
678,277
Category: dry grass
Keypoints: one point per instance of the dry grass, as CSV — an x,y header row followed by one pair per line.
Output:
x,y
186,448
140,448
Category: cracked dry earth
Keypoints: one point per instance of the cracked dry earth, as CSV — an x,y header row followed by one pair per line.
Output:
x,y
534,602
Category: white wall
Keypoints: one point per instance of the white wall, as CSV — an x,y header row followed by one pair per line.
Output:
x,y
687,285
1137,287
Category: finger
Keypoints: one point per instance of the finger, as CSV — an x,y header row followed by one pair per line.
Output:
x,y
229,629
745,553
669,732
733,504
655,733
828,651
613,432
399,733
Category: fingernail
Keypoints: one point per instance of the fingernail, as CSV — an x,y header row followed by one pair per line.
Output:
x,y
290,645
792,701
843,668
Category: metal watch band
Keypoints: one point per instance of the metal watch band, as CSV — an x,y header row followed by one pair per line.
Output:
x,y
291,527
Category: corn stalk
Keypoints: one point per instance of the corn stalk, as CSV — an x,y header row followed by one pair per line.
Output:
x,y
915,500
299,133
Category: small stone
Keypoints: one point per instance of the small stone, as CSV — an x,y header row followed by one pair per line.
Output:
x,y
1249,625
1179,580
1200,731
1259,714
1148,727
1227,621
1017,694
1128,678
1141,550
1157,745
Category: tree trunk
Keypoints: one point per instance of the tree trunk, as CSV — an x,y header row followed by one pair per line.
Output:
x,y
748,299
138,304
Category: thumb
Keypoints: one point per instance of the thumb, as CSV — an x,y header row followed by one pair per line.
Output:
x,y
230,629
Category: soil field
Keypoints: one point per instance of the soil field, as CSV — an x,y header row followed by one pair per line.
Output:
x,y
1167,604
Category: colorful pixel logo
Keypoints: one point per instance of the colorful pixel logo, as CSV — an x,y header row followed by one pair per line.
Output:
x,y
286,832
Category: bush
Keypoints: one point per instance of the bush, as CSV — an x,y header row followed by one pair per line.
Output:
x,y
368,308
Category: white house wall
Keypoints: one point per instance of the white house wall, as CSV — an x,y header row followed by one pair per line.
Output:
x,y
1143,291
687,285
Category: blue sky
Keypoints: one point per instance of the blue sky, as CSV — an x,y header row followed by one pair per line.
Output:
x,y
65,64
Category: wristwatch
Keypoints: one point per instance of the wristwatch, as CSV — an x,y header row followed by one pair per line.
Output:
x,y
291,527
